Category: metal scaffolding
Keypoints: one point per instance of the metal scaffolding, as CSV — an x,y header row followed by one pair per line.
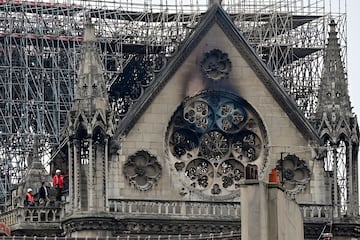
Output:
x,y
39,51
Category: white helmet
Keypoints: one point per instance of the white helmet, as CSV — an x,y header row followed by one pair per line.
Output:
x,y
58,171
29,190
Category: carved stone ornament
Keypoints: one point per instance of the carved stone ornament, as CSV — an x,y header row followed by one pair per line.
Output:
x,y
216,65
294,174
211,139
142,170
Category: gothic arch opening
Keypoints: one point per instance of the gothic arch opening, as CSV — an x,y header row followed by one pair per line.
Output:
x,y
336,164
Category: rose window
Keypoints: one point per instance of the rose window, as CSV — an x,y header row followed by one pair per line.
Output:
x,y
142,170
212,138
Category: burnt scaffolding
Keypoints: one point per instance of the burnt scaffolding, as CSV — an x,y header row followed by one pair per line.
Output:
x,y
39,51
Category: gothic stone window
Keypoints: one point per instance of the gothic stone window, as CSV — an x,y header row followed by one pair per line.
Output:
x,y
142,170
211,138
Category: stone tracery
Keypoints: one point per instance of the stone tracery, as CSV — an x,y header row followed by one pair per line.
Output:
x,y
295,174
211,139
216,65
142,170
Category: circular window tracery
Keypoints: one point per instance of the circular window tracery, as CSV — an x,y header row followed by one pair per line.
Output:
x,y
216,65
214,145
230,117
183,141
246,146
212,138
199,115
231,172
199,172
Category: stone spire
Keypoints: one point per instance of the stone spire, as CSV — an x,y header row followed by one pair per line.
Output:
x,y
35,174
337,127
334,107
89,130
90,88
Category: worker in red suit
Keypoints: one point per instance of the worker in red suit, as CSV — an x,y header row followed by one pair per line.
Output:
x,y
58,183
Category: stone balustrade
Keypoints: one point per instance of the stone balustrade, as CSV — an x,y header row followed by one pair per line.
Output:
x,y
189,209
163,209
32,215
316,212
206,236
9,218
119,207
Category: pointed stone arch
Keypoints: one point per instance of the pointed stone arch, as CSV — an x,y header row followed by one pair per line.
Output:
x,y
98,135
81,132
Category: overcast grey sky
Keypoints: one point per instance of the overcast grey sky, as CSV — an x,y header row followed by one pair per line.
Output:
x,y
353,33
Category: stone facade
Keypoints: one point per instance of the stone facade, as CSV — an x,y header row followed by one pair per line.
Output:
x,y
213,119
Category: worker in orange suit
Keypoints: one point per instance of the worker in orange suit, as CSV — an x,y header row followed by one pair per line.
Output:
x,y
58,183
29,198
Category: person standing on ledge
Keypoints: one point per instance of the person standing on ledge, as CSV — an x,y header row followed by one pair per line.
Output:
x,y
29,198
58,183
43,195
